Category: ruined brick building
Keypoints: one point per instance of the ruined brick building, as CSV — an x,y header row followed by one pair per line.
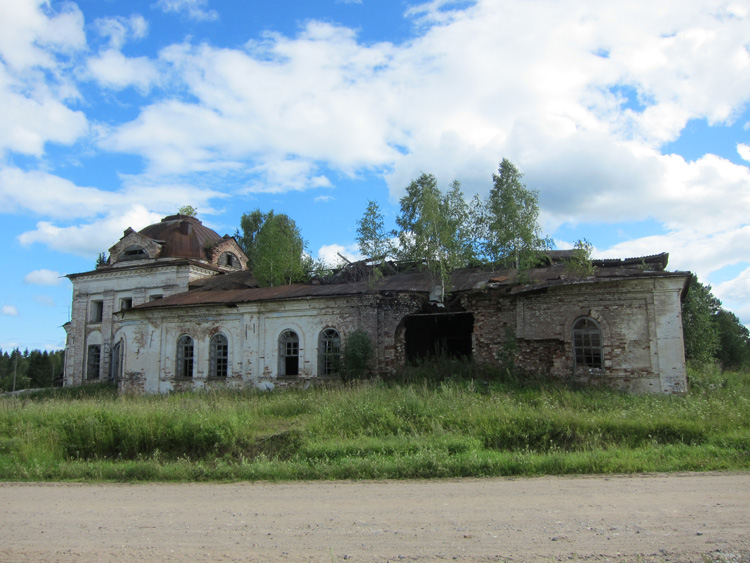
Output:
x,y
175,308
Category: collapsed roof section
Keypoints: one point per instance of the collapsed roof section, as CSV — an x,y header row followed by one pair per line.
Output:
x,y
358,278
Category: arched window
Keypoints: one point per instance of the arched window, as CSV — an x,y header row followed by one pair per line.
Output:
x,y
219,356
184,367
329,352
587,343
288,353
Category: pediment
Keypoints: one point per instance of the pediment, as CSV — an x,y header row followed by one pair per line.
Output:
x,y
134,246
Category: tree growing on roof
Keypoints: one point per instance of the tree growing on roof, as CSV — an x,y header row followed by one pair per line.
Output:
x,y
434,229
512,235
187,210
372,237
275,248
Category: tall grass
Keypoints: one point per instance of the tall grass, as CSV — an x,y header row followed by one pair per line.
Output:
x,y
446,426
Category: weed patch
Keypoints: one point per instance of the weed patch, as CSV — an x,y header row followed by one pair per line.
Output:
x,y
437,426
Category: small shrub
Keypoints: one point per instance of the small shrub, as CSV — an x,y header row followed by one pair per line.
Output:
x,y
358,352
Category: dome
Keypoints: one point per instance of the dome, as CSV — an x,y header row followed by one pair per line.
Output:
x,y
182,236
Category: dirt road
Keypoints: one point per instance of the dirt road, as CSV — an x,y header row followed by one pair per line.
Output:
x,y
691,517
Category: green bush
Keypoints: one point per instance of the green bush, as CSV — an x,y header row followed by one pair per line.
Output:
x,y
358,352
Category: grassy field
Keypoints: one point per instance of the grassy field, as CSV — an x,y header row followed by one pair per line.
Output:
x,y
375,431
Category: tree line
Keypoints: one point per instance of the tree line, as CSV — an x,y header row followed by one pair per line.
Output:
x,y
436,230
30,369
711,333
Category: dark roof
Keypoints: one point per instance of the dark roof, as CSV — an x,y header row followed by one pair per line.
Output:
x,y
182,236
241,287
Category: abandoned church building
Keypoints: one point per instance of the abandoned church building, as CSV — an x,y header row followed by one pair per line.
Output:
x,y
174,307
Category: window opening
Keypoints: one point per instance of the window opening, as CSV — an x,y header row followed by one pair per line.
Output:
x,y
219,356
93,361
329,352
288,353
229,260
155,296
184,366
587,343
126,303
97,311
133,253
115,366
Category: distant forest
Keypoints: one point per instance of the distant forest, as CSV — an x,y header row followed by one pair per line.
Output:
x,y
30,370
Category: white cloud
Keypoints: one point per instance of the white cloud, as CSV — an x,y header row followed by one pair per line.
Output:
x,y
31,32
113,70
9,310
744,151
735,295
323,198
90,239
120,29
43,277
193,9
48,195
36,46
329,254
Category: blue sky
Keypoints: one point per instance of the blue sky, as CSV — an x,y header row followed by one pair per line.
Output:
x,y
633,123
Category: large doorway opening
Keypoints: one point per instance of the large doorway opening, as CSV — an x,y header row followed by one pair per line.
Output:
x,y
438,335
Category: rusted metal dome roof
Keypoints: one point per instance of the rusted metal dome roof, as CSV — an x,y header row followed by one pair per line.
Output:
x,y
182,236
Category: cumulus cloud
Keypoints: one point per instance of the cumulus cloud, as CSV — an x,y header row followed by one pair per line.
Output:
x,y
118,30
31,32
114,70
193,9
36,45
48,195
43,277
9,310
329,254
87,239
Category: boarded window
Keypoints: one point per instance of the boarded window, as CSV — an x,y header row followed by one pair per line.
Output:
x,y
329,352
219,356
184,367
93,361
587,343
288,353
